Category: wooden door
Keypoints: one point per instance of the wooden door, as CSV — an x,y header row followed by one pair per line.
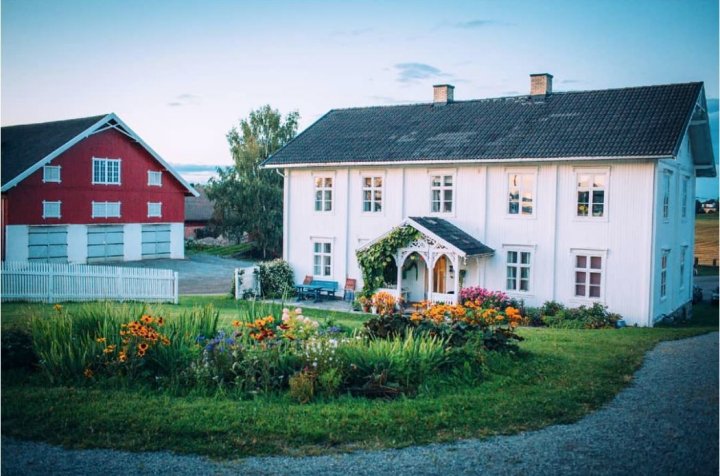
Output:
x,y
439,275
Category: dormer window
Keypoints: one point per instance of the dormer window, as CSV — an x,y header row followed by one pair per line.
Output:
x,y
51,173
106,171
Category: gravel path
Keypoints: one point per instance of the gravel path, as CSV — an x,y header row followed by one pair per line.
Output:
x,y
666,422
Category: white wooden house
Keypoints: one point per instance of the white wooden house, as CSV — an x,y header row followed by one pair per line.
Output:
x,y
577,197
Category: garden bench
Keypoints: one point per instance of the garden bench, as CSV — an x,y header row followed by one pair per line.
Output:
x,y
327,287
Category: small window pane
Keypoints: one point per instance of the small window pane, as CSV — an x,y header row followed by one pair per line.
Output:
x,y
367,181
318,248
318,182
583,181
378,181
580,277
326,247
378,195
580,290
524,273
596,262
513,208
595,291
448,180
595,278
328,181
436,181
597,210
524,285
525,257
581,262
599,181
599,196
512,257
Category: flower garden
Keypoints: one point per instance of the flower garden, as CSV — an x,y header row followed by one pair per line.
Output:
x,y
393,354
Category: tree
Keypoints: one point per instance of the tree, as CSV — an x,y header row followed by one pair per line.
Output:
x,y
247,197
698,207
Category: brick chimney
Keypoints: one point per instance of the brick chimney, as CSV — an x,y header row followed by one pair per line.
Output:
x,y
541,84
443,93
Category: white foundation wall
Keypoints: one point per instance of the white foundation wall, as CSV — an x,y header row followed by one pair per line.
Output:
x,y
624,236
16,243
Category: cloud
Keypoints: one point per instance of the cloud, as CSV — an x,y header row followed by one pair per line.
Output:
x,y
184,99
411,72
473,24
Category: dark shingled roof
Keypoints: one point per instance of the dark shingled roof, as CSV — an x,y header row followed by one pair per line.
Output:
x,y
453,235
632,122
25,145
199,208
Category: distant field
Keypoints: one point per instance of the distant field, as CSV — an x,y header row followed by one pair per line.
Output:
x,y
706,238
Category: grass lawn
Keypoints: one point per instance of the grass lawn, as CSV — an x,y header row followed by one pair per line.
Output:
x,y
560,376
706,238
235,251
14,314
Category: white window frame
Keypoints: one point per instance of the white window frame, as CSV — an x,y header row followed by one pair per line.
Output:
x,y
49,179
590,189
683,266
442,188
664,261
151,207
323,254
518,266
521,190
588,254
323,189
47,207
157,174
666,184
105,204
372,189
684,187
104,163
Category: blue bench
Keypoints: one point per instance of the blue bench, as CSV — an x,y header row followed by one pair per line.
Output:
x,y
316,289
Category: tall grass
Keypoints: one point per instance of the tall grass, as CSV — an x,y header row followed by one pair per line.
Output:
x,y
407,361
66,343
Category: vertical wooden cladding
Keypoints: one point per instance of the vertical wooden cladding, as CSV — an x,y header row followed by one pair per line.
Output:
x,y
77,192
3,222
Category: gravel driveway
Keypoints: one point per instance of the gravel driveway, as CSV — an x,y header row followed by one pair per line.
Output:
x,y
198,273
666,422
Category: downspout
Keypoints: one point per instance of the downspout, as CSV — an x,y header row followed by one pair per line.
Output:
x,y
555,233
347,225
653,243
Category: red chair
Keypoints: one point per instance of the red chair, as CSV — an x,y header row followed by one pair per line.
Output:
x,y
349,291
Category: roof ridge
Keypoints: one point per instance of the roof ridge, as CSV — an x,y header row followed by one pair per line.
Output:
x,y
498,98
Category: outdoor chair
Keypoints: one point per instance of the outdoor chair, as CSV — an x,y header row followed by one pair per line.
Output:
x,y
349,291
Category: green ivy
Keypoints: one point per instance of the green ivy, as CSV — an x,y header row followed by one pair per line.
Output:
x,y
375,258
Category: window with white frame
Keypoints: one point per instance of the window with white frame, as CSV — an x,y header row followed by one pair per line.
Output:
x,y
684,198
591,194
323,194
521,188
106,171
518,270
51,209
51,173
154,178
322,258
441,194
105,209
588,275
372,190
666,195
683,256
663,273
154,209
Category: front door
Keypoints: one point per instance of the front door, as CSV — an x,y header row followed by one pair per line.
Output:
x,y
439,275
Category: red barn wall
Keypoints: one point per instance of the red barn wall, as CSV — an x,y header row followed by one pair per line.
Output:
x,y
76,190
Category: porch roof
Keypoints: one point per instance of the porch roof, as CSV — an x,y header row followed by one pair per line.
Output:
x,y
451,234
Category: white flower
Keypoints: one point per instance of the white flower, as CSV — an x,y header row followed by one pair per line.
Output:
x,y
285,310
298,310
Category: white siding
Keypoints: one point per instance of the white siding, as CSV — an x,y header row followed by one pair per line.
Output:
x,y
623,235
673,233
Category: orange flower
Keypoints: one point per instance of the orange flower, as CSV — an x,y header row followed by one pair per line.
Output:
x,y
160,321
109,349
147,319
142,347
101,339
122,356
236,323
88,373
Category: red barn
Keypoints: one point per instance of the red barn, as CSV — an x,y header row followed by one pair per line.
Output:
x,y
88,190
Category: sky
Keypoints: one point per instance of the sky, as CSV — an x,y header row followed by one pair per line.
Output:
x,y
183,73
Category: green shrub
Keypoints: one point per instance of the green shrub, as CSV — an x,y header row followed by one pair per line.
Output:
x,y
302,386
593,317
551,308
276,279
17,349
533,317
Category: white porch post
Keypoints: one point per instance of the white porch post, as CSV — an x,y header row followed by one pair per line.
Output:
x,y
431,276
456,283
399,262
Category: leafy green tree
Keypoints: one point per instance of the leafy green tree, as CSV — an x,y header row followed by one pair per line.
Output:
x,y
247,197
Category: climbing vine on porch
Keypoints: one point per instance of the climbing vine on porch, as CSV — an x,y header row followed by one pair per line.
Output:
x,y
376,257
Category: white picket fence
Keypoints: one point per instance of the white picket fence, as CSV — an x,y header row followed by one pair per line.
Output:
x,y
56,282
246,280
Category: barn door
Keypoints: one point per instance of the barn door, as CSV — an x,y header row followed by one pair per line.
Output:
x,y
156,241
47,243
105,243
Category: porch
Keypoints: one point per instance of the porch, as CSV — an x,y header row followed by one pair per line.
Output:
x,y
432,267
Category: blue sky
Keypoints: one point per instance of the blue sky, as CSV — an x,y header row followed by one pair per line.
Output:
x,y
182,73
